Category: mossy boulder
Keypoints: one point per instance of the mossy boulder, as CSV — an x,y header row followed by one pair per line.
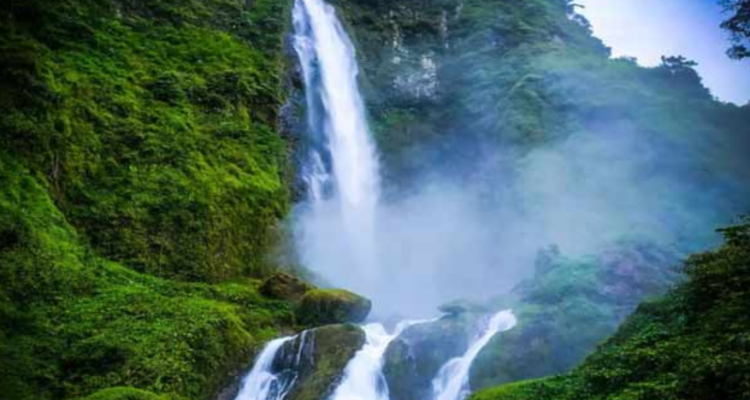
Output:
x,y
285,287
414,358
319,357
332,306
125,393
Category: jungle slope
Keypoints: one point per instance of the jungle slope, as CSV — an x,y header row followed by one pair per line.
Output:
x,y
692,344
141,179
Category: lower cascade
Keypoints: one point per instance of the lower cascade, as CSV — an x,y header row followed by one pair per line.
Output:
x,y
452,382
363,377
262,383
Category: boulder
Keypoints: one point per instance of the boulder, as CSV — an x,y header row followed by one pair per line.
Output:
x,y
332,306
284,286
414,358
317,358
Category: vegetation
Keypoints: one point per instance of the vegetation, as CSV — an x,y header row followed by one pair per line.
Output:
x,y
138,150
595,292
691,344
154,126
738,25
510,78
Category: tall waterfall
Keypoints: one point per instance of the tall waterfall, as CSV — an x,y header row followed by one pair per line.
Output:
x,y
452,381
336,110
341,167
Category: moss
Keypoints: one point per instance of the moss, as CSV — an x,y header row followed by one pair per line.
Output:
x,y
285,286
332,306
156,125
125,393
138,139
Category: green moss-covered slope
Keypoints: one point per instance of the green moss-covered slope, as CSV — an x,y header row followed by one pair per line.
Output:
x,y
138,151
153,123
73,322
692,344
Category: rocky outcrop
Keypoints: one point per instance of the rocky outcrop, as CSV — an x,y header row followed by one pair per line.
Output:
x,y
332,306
285,287
316,359
414,358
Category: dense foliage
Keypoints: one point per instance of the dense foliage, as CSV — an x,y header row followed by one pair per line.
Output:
x,y
738,25
692,344
137,139
153,124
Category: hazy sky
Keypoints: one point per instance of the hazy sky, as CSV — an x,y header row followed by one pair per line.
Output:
x,y
648,29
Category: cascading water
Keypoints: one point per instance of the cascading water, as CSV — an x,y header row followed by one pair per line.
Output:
x,y
262,383
341,168
363,378
452,381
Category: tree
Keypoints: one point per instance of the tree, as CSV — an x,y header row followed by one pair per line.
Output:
x,y
738,26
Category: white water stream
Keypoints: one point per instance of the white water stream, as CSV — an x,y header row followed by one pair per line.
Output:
x,y
452,381
261,383
342,176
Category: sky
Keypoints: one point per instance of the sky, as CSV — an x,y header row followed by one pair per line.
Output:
x,y
648,29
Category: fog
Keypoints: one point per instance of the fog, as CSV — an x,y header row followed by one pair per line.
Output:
x,y
477,237
647,30
475,234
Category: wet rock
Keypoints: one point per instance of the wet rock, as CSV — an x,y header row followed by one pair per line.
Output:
x,y
332,306
316,360
414,358
285,287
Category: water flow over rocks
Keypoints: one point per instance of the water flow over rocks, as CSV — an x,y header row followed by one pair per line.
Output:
x,y
262,383
452,382
363,379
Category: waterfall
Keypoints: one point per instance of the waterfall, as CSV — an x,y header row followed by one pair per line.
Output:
x,y
262,383
341,168
452,381
363,377
335,107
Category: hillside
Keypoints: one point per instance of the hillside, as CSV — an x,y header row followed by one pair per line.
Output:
x,y
691,344
155,179
137,141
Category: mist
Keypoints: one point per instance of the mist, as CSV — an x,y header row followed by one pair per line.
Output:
x,y
471,227
477,237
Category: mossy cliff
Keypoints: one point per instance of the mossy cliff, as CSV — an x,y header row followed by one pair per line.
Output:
x,y
694,343
142,176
